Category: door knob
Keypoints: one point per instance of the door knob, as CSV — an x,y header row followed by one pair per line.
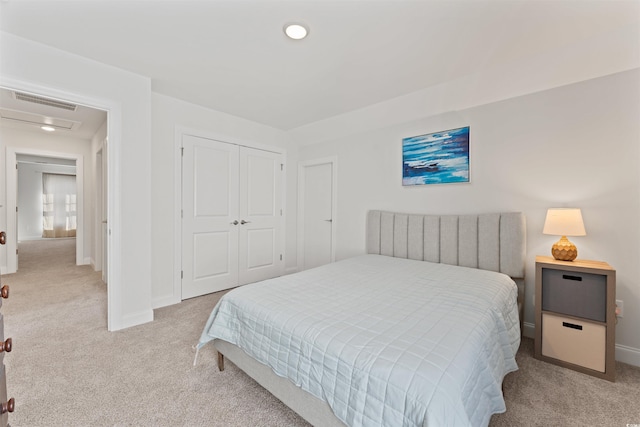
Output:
x,y
3,237
243,222
235,222
8,406
4,292
6,345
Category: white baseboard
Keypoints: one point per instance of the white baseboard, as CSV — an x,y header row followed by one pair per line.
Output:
x,y
628,355
624,353
135,319
34,237
93,264
87,261
290,270
39,237
3,269
164,301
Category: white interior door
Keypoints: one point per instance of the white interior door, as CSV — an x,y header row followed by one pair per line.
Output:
x,y
260,251
317,209
104,211
210,213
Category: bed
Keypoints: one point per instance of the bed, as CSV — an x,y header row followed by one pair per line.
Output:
x,y
420,331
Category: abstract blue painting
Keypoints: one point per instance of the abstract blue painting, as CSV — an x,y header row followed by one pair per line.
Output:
x,y
436,158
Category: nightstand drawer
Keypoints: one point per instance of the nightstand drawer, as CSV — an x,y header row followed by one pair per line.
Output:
x,y
574,341
575,293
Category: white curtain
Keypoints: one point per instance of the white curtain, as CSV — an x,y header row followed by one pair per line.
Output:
x,y
58,205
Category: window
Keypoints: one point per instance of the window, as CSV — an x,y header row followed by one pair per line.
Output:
x,y
58,205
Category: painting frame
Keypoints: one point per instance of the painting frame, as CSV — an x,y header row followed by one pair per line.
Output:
x,y
436,158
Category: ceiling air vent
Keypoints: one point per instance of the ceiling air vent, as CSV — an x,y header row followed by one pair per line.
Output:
x,y
20,96
38,120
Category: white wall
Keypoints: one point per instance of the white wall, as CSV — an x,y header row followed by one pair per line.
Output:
x,y
168,116
30,200
576,145
589,58
54,73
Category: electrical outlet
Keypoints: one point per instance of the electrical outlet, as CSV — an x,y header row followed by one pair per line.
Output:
x,y
620,307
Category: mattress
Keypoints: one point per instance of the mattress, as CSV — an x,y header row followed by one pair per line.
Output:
x,y
384,341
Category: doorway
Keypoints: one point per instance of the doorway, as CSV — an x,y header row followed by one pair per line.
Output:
x,y
90,126
13,154
55,217
316,212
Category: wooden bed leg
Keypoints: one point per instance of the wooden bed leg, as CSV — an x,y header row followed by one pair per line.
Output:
x,y
220,362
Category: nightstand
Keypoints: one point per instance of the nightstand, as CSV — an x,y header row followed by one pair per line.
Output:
x,y
575,315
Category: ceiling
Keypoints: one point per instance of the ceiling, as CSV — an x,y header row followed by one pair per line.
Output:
x,y
24,111
232,56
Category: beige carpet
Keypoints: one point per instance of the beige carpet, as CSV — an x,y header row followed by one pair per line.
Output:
x,y
67,370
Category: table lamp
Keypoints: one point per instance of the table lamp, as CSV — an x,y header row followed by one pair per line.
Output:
x,y
564,222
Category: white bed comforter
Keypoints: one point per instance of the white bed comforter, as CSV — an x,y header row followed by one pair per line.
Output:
x,y
384,341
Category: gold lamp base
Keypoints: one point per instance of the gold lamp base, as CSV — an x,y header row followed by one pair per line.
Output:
x,y
564,250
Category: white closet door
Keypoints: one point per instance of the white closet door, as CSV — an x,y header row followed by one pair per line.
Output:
x,y
210,207
260,252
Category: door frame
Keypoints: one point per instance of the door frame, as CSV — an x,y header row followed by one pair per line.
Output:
x,y
333,160
181,131
12,200
101,204
114,132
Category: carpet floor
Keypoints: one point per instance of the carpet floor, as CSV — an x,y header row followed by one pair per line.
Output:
x,y
66,369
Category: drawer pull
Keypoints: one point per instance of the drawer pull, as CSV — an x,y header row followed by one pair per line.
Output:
x,y
572,326
6,345
8,406
569,277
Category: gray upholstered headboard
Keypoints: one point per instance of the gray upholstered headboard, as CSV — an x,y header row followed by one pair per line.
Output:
x,y
493,241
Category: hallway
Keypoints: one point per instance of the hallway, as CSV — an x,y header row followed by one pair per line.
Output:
x,y
48,276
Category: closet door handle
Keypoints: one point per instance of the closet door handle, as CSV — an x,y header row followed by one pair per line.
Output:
x,y
6,345
235,222
243,222
3,237
4,292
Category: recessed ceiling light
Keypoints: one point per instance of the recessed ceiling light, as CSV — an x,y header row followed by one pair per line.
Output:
x,y
296,31
48,128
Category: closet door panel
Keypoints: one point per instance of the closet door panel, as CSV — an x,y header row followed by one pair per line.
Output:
x,y
261,248
210,207
260,209
211,255
261,171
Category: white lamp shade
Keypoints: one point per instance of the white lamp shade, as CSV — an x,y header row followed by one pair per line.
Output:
x,y
564,222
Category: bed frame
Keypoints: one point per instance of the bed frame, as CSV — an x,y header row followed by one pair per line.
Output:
x,y
493,242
